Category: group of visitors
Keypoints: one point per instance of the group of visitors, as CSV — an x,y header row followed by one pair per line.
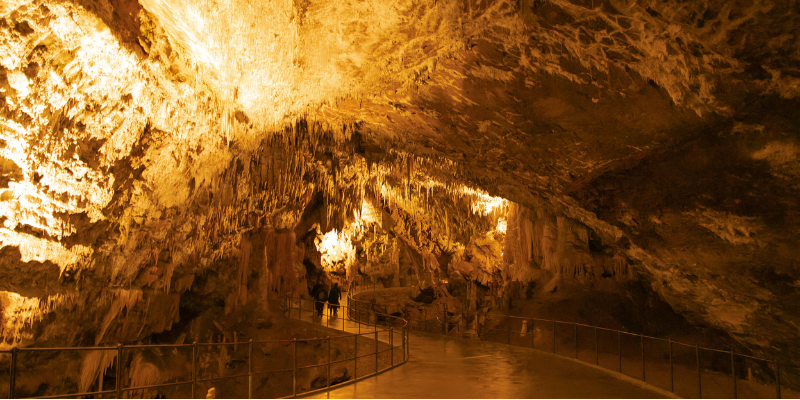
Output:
x,y
322,295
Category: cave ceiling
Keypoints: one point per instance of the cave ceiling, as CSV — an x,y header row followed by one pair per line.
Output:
x,y
668,128
535,97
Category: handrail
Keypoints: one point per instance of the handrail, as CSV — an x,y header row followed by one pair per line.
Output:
x,y
119,388
359,307
486,315
635,334
351,308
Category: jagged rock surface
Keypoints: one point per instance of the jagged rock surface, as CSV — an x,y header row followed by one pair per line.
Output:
x,y
146,148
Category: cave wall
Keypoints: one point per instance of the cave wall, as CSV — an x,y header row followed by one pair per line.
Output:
x,y
102,160
124,177
653,142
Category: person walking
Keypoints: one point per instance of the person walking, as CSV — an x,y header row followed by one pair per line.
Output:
x,y
333,298
322,297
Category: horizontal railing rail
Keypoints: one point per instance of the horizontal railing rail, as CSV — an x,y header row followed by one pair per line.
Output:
x,y
119,388
451,319
355,312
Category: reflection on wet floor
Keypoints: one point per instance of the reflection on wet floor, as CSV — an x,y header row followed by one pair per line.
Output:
x,y
446,367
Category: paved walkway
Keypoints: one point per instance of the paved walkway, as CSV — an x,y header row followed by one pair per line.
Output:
x,y
447,367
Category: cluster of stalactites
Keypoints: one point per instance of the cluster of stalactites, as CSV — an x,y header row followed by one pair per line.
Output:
x,y
538,239
20,312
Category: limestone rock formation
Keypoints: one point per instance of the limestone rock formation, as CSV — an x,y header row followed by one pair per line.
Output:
x,y
157,154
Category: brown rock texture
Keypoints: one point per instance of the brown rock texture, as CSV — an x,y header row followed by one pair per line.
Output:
x,y
160,155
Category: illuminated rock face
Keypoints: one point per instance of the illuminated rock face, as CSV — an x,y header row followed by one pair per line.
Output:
x,y
154,152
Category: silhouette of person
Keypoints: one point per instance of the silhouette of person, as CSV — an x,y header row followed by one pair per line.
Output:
x,y
321,298
333,298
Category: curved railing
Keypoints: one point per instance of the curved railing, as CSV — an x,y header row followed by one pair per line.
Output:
x,y
381,324
243,371
192,380
680,368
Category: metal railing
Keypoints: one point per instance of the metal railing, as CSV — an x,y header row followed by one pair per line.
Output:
x,y
485,326
194,380
564,339
593,343
119,366
441,316
356,311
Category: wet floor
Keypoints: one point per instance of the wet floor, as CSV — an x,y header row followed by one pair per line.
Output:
x,y
447,367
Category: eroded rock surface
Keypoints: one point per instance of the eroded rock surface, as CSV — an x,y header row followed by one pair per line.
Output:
x,y
157,152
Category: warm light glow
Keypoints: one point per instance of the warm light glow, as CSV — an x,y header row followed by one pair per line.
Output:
x,y
337,250
270,60
36,249
502,225
369,215
337,247
483,204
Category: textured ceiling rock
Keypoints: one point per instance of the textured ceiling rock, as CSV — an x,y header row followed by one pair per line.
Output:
x,y
96,155
148,147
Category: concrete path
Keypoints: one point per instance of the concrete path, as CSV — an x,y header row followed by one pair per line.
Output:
x,y
447,367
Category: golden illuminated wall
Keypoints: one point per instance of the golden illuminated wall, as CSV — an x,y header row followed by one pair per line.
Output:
x,y
276,58
99,144
139,150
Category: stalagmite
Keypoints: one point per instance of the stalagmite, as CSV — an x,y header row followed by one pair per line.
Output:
x,y
164,164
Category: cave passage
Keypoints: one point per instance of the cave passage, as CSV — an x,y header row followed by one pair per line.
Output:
x,y
172,170
446,367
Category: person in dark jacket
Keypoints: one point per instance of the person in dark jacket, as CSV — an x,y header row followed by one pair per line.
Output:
x,y
333,298
320,298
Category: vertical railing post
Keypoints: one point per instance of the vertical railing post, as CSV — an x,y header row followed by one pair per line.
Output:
x,y
294,369
619,349
671,369
576,340
641,342
596,348
300,310
376,350
194,370
699,374
733,375
355,359
408,343
777,380
250,369
329,361
358,319
403,338
119,371
13,378
533,337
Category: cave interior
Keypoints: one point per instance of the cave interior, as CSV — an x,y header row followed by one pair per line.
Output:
x,y
171,170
